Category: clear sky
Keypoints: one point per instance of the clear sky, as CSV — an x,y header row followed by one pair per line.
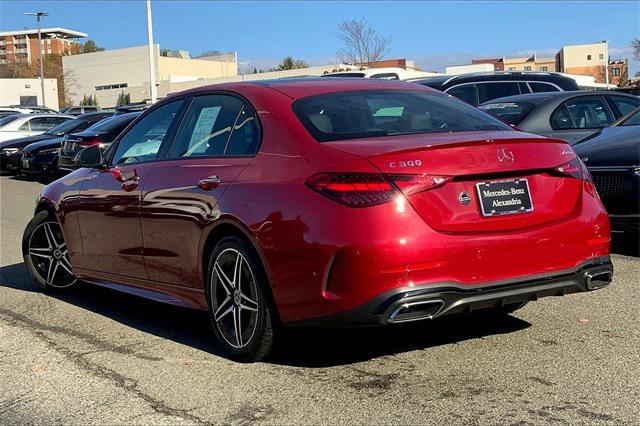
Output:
x,y
434,34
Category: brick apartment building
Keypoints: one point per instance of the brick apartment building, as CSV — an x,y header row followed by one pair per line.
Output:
x,y
22,46
583,59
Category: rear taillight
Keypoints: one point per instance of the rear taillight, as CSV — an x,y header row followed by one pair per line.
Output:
x,y
368,189
85,144
574,168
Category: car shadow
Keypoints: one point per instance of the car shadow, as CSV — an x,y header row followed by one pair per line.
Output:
x,y
298,347
625,244
43,178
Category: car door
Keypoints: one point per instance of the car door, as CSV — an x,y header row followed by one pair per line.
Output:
x,y
217,140
109,198
580,117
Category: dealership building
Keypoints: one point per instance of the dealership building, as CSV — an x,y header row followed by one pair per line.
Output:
x,y
108,73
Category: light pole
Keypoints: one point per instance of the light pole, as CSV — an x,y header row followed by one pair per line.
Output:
x,y
152,57
38,15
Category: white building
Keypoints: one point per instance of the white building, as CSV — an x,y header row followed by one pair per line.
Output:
x,y
108,73
27,92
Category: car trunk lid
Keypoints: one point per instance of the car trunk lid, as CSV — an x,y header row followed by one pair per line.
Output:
x,y
480,169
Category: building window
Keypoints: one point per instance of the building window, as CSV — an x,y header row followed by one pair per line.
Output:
x,y
112,86
543,68
527,68
588,57
511,69
601,56
615,72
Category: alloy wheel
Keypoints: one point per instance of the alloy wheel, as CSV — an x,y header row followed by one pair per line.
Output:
x,y
235,298
49,255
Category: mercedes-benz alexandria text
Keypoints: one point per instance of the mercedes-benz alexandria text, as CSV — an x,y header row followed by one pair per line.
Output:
x,y
322,202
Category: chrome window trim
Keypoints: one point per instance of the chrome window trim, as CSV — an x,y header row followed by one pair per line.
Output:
x,y
506,81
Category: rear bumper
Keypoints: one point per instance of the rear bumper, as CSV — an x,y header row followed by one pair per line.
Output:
x,y
439,299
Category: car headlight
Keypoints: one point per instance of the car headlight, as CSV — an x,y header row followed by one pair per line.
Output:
x,y
50,151
9,151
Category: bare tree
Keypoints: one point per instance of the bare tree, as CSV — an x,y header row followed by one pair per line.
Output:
x,y
361,43
635,45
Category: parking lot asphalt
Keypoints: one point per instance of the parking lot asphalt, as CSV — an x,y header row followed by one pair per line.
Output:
x,y
97,356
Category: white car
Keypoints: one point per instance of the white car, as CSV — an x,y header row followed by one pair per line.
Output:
x,y
391,73
21,125
14,110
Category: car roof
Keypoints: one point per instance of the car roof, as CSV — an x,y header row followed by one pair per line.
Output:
x,y
493,76
540,97
297,88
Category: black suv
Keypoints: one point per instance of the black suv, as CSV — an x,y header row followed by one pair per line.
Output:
x,y
476,88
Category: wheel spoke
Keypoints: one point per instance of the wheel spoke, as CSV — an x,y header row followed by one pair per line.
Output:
x,y
237,326
237,271
225,307
41,252
227,285
51,271
49,235
64,262
247,303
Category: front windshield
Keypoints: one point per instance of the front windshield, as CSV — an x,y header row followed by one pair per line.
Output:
x,y
8,119
64,128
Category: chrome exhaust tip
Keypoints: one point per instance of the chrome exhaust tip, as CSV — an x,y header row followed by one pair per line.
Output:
x,y
415,311
598,279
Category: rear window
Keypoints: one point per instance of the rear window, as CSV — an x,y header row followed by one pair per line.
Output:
x,y
372,113
509,112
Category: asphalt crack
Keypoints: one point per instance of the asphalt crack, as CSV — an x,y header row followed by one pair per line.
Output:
x,y
120,381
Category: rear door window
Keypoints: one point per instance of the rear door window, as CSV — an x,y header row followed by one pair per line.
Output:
x,y
561,119
386,76
589,112
465,92
209,124
488,91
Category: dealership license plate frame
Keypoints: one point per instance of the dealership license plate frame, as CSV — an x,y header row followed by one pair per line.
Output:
x,y
493,213
25,164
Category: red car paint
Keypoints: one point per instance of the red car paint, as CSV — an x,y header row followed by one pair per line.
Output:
x,y
322,257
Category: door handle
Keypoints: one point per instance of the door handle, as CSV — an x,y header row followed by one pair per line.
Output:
x,y
212,182
131,183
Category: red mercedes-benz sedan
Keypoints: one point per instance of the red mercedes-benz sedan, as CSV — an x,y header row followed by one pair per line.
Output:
x,y
322,201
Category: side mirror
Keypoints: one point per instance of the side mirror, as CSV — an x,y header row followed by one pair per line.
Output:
x,y
90,156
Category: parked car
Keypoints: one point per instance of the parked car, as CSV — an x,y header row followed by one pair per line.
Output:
x,y
80,109
124,109
37,109
341,202
11,150
102,133
29,124
42,156
389,73
477,88
612,156
14,110
567,115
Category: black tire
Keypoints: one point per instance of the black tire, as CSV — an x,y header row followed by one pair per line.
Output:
x,y
239,303
45,254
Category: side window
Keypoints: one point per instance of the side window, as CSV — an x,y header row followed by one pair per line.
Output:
x,y
537,87
207,126
589,112
625,105
245,137
489,91
25,127
143,141
467,93
561,119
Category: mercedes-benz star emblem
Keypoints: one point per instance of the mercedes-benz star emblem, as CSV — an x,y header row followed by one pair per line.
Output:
x,y
505,157
464,198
